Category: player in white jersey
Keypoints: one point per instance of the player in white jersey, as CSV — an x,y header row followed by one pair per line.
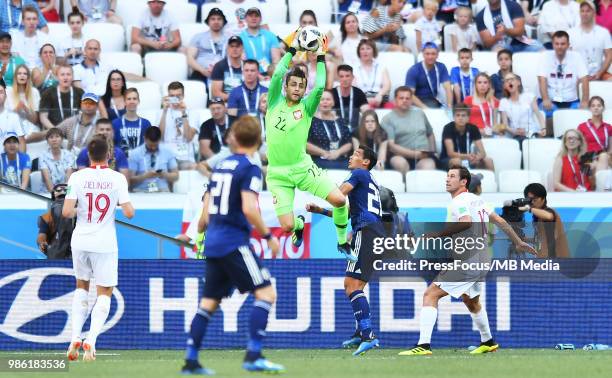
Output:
x,y
469,217
95,191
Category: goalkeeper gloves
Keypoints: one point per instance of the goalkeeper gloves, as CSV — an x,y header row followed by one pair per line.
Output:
x,y
323,45
292,40
200,245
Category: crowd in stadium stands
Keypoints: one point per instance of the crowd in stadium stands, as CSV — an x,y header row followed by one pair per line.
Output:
x,y
58,91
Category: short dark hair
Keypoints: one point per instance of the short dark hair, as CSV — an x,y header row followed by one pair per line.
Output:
x,y
103,121
176,85
370,43
97,148
153,134
535,188
246,131
461,107
251,61
54,131
464,50
369,154
296,72
597,98
504,51
344,67
131,90
464,174
75,13
560,34
402,88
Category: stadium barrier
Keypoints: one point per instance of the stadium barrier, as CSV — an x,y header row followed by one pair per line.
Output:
x,y
156,299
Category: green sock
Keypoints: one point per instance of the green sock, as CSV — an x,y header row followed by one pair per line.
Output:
x,y
340,215
298,224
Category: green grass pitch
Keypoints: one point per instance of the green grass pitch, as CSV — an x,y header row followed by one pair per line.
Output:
x,y
320,363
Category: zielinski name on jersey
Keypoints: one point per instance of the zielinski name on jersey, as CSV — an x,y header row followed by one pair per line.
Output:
x,y
98,185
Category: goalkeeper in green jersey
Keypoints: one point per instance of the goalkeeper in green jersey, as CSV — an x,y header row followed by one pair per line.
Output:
x,y
288,122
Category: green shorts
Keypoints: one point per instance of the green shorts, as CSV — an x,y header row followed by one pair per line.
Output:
x,y
307,176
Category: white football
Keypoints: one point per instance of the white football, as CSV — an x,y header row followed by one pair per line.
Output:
x,y
309,38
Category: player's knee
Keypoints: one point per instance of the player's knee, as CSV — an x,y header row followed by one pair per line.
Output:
x,y
209,304
336,198
472,304
267,294
351,285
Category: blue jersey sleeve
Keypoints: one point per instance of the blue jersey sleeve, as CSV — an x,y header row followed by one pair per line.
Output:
x,y
82,159
25,162
356,177
455,77
251,179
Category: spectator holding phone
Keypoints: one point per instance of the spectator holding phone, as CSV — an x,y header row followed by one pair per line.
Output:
x,y
153,167
597,133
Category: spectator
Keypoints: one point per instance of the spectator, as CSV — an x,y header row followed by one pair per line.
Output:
x,y
8,61
604,15
78,128
501,25
59,102
429,81
153,167
569,173
463,32
54,231
70,48
519,111
462,143
483,105
263,44
213,130
349,100
384,26
371,134
354,6
113,100
56,164
350,38
329,138
23,99
592,42
427,27
227,73
27,43
504,60
129,129
311,72
207,48
462,77
558,77
175,127
532,10
371,77
597,133
97,10
11,12
48,10
245,98
157,30
15,166
263,149
9,122
411,139
45,75
117,160
557,15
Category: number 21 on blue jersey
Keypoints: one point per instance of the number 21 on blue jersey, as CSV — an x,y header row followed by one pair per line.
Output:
x,y
374,200
221,184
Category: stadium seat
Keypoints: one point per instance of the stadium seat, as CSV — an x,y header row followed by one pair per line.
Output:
x,y
182,185
515,180
197,180
449,59
567,119
129,11
505,153
525,64
58,31
150,95
398,64
488,182
125,61
539,154
334,29
183,12
35,150
381,113
338,175
438,118
602,89
390,180
426,181
409,31
36,181
188,31
322,8
203,115
485,61
281,30
110,36
603,181
163,67
195,94
275,12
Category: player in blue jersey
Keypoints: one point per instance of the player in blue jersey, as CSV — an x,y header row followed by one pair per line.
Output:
x,y
230,208
365,213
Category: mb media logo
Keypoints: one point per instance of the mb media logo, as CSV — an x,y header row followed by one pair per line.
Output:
x,y
31,306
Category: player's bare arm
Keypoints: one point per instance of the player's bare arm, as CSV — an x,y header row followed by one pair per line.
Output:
x,y
203,222
69,210
505,227
128,210
464,223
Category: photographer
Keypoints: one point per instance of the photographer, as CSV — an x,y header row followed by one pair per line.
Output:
x,y
55,231
549,234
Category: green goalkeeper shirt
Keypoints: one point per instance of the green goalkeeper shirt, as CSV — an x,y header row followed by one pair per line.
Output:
x,y
287,126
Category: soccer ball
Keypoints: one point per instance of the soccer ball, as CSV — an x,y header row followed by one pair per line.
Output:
x,y
309,38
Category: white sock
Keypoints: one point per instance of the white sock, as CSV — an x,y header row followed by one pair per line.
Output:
x,y
482,323
426,323
98,317
79,312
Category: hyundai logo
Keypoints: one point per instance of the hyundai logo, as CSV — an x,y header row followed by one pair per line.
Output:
x,y
28,306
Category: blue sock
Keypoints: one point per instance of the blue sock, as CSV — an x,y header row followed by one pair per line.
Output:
x,y
196,333
257,329
361,310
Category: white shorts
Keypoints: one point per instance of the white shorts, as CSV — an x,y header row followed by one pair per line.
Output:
x,y
457,289
102,267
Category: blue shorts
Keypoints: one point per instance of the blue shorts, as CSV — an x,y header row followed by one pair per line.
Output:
x,y
239,269
362,245
558,105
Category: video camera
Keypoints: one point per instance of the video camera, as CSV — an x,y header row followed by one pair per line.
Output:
x,y
516,218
